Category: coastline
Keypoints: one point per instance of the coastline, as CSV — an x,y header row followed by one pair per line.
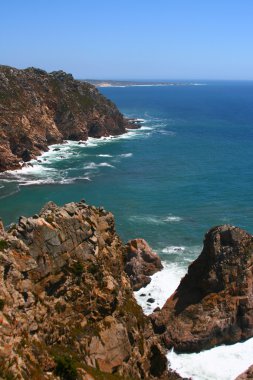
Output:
x,y
133,124
233,359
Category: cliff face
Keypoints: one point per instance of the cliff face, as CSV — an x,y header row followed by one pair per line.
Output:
x,y
214,301
66,305
38,109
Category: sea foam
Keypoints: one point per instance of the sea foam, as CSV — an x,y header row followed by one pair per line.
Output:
x,y
219,363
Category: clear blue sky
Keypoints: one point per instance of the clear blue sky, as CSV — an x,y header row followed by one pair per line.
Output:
x,y
130,39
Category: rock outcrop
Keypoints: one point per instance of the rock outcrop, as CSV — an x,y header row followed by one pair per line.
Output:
x,y
140,263
38,109
214,302
66,305
247,375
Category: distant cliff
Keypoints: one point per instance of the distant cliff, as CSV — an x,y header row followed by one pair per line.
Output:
x,y
38,109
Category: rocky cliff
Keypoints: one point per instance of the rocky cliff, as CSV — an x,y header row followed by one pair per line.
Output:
x,y
66,305
247,375
38,109
214,301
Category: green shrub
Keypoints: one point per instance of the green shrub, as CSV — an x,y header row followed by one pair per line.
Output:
x,y
77,269
65,367
3,245
1,304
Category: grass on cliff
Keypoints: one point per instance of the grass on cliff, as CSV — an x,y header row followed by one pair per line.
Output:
x,y
98,375
66,367
3,245
1,304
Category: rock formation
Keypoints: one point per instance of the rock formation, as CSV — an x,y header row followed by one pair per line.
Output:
x,y
66,305
38,109
140,263
214,302
247,375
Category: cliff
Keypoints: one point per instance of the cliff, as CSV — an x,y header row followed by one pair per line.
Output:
x,y
66,305
213,304
38,109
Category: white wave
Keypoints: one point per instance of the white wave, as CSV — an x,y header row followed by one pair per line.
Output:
x,y
146,128
219,363
87,178
104,155
140,120
125,155
172,219
172,249
93,165
167,133
35,169
10,193
162,285
153,219
146,219
105,164
51,181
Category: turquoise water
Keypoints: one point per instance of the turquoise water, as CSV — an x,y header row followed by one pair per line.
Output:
x,y
187,169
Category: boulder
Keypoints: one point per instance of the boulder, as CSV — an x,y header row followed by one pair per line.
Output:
x,y
141,262
214,302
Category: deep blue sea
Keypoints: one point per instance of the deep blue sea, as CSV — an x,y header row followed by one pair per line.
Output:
x,y
188,168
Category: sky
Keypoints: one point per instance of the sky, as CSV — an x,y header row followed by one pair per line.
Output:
x,y
130,39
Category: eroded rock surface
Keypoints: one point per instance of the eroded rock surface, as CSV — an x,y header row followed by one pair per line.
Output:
x,y
247,375
38,109
66,304
140,263
214,302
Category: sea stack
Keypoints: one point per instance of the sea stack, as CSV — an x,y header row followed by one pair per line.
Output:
x,y
214,302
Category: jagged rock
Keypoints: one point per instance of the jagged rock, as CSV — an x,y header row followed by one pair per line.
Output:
x,y
140,263
214,302
38,109
247,375
66,303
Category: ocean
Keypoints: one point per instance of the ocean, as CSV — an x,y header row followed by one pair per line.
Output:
x,y
188,168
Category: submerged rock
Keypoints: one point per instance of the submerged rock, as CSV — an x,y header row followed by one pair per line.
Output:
x,y
66,304
214,302
140,263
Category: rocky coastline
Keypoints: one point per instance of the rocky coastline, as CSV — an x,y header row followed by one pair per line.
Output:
x,y
38,109
66,305
68,311
213,304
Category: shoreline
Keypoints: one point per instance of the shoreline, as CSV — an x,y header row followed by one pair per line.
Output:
x,y
134,124
233,359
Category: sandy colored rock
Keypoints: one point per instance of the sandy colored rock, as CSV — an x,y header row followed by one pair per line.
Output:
x,y
67,304
140,263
